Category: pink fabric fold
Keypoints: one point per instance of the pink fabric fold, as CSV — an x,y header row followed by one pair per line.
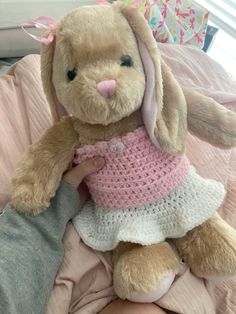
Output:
x,y
193,68
24,115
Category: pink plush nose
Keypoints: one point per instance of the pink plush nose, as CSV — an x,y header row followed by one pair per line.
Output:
x,y
106,88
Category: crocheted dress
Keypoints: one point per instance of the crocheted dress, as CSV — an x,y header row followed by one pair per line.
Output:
x,y
143,194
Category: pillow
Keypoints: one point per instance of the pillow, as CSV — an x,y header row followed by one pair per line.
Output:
x,y
14,42
24,115
193,68
176,22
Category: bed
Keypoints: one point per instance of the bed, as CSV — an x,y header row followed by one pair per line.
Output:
x,y
24,115
84,281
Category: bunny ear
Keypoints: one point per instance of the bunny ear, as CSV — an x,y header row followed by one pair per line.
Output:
x,y
47,51
47,54
164,108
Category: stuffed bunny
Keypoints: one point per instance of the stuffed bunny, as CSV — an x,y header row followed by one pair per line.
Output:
x,y
104,73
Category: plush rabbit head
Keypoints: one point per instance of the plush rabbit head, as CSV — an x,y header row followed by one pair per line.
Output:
x,y
104,64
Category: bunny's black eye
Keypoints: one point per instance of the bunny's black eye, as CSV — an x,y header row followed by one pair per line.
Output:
x,y
126,61
71,74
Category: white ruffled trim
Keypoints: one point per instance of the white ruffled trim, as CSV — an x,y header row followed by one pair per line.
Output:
x,y
186,207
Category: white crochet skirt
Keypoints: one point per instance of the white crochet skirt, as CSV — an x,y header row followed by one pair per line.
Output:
x,y
188,206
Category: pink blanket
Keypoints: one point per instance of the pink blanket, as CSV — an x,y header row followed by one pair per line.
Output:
x,y
84,281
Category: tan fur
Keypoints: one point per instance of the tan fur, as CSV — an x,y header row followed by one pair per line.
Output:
x,y
209,249
47,54
171,128
38,174
92,133
136,270
209,120
141,29
92,53
92,40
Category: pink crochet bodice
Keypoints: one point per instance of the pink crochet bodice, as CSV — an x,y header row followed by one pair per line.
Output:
x,y
136,172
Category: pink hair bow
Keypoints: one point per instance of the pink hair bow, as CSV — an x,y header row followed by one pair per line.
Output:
x,y
41,22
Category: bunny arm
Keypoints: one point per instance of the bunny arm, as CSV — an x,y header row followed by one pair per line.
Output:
x,y
38,174
209,120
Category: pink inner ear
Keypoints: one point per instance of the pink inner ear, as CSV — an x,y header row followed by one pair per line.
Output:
x,y
149,106
59,108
